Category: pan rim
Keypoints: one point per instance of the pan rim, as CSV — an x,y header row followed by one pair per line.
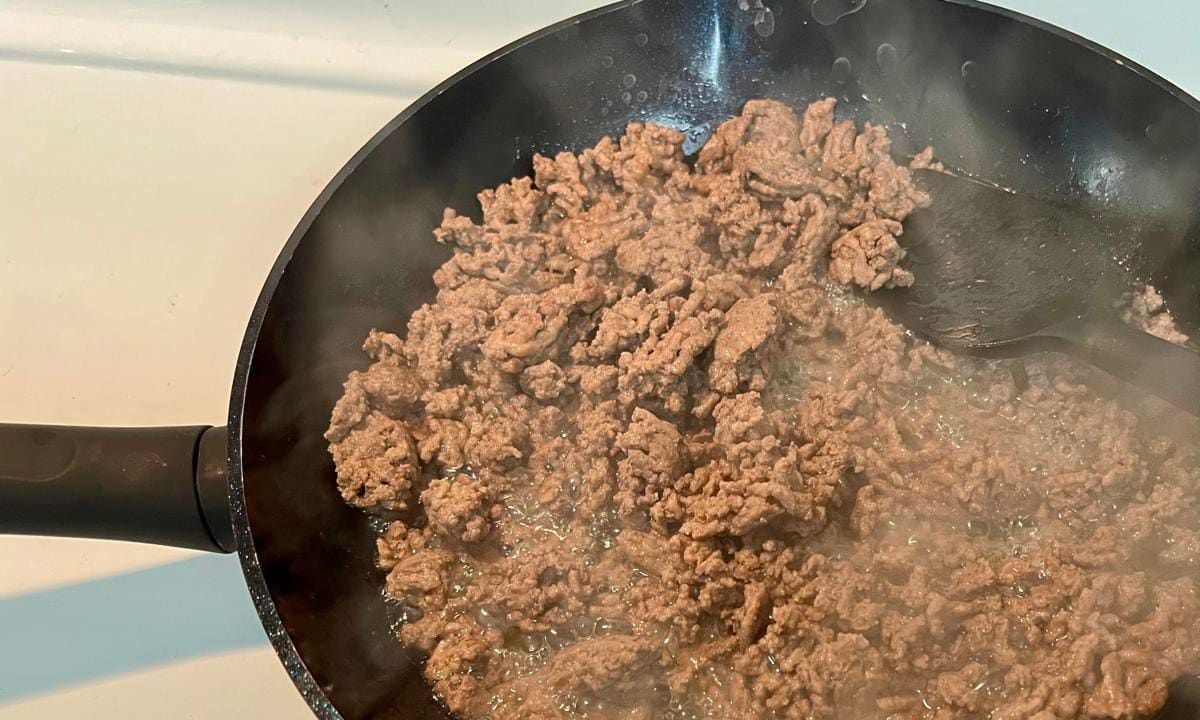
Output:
x,y
256,584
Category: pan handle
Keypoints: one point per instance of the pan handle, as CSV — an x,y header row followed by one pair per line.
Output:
x,y
162,485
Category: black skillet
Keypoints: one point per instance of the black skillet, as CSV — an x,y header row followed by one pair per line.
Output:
x,y
1001,96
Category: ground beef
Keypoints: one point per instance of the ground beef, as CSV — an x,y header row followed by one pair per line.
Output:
x,y
646,456
869,256
1146,310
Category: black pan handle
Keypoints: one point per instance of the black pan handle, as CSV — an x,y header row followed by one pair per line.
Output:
x,y
162,485
1161,368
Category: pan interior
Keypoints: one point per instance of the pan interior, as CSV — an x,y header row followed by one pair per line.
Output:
x,y
998,97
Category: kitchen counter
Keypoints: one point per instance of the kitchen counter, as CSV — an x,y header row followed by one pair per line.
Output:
x,y
157,155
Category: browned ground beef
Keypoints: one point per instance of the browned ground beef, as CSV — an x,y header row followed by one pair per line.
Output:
x,y
646,456
1146,310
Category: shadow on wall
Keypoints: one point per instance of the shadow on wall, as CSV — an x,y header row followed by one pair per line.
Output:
x,y
93,630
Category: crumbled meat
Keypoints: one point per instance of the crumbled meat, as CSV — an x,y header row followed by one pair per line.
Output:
x,y
544,382
530,328
1148,311
376,463
654,457
540,589
442,441
869,256
647,455
618,667
461,507
748,325
654,372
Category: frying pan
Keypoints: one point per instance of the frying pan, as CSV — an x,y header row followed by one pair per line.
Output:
x,y
1001,96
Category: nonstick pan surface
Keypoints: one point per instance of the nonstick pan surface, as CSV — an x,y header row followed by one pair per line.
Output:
x,y
999,95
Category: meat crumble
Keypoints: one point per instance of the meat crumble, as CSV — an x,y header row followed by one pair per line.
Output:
x,y
1146,310
648,455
